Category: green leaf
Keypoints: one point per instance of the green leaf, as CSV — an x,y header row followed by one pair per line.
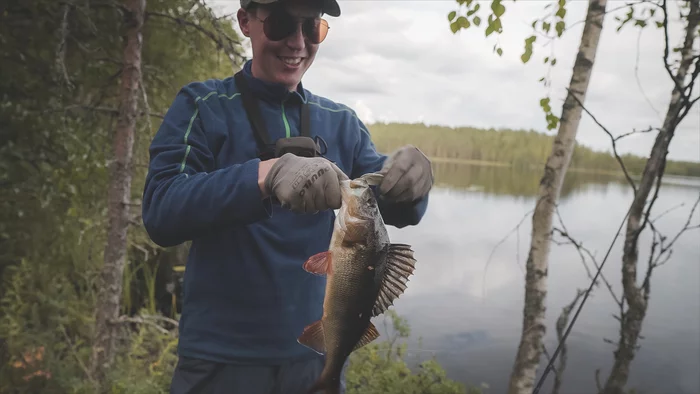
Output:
x,y
561,12
463,22
560,28
498,8
525,57
451,15
546,26
554,61
659,24
499,51
476,20
454,26
489,30
497,25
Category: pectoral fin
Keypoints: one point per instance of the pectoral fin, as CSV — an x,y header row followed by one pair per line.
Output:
x,y
313,337
400,264
319,264
370,335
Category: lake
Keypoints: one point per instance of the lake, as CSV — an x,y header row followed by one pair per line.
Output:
x,y
469,314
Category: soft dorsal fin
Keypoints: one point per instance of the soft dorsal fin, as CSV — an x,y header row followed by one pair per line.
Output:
x,y
400,264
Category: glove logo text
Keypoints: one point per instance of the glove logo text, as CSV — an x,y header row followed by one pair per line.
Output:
x,y
310,181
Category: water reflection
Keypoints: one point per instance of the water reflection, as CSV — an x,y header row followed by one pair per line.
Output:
x,y
468,314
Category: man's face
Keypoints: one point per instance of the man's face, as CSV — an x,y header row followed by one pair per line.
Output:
x,y
284,61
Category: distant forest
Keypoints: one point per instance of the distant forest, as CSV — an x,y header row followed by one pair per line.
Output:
x,y
515,148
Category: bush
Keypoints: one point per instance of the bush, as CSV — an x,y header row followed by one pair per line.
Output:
x,y
380,368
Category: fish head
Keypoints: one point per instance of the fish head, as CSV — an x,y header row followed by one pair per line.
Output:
x,y
359,201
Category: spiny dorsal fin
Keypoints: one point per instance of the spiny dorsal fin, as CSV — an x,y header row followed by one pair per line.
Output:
x,y
370,335
313,337
399,266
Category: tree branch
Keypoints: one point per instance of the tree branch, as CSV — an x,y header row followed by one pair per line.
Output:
x,y
561,325
613,140
226,43
667,66
514,229
61,48
581,249
150,320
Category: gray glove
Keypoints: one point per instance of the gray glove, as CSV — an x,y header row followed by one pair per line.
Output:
x,y
305,184
408,175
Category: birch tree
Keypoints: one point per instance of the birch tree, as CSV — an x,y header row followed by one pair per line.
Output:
x,y
533,324
637,295
533,327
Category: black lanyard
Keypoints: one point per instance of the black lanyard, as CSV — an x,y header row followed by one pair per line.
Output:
x,y
266,148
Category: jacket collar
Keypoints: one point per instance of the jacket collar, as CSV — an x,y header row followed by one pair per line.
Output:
x,y
270,91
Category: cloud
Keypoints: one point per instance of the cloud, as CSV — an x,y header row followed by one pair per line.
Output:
x,y
399,61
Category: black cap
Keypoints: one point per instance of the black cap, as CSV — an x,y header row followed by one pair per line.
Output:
x,y
330,7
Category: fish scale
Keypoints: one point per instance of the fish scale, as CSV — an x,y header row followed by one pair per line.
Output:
x,y
365,274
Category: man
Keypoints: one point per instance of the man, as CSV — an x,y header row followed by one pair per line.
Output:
x,y
212,180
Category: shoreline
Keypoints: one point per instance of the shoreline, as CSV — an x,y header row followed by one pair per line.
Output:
x,y
487,163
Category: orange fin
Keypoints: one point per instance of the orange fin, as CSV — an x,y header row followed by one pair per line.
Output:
x,y
370,335
313,337
400,264
319,264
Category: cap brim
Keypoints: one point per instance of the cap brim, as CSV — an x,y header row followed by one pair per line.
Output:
x,y
331,7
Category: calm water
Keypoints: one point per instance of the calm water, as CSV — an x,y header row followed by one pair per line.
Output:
x,y
469,315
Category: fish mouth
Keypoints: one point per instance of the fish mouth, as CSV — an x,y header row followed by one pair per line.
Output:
x,y
357,192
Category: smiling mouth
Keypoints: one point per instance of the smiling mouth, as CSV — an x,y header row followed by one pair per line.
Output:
x,y
291,61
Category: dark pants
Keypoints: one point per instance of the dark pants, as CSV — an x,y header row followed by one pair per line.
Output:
x,y
193,376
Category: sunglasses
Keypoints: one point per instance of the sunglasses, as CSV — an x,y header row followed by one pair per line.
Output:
x,y
279,25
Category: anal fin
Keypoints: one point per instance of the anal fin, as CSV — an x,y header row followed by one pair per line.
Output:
x,y
370,335
400,264
313,337
319,264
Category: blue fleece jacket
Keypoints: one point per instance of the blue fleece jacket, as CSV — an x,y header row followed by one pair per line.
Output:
x,y
246,296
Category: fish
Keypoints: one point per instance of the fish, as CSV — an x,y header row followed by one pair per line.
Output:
x,y
365,273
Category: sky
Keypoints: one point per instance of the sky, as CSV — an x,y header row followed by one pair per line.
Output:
x,y
398,61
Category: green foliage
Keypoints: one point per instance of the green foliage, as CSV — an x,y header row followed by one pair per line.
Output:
x,y
542,27
57,115
147,365
641,15
380,368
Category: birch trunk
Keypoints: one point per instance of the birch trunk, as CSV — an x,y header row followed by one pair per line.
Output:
x,y
119,194
637,296
533,328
